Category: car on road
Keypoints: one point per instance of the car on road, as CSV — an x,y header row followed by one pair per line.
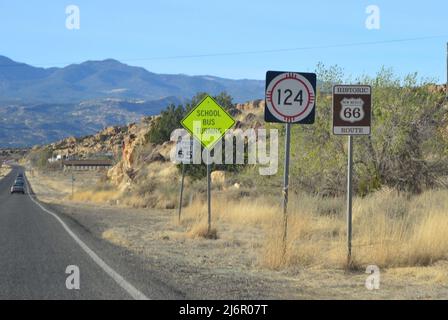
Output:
x,y
18,188
19,182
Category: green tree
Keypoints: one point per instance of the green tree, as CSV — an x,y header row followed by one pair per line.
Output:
x,y
406,150
170,118
223,99
168,121
39,157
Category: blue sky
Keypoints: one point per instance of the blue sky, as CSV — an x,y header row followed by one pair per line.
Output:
x,y
141,32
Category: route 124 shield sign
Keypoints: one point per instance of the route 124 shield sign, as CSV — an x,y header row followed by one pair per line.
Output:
x,y
290,97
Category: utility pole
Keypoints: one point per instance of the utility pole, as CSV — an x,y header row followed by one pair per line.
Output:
x,y
446,85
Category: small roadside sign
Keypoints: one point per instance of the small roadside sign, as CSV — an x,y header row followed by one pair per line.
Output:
x,y
184,154
352,116
290,97
352,108
184,150
208,122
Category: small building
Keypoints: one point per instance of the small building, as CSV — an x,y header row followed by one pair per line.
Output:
x,y
86,165
55,159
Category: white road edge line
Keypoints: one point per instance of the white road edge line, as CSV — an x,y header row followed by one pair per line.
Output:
x,y
129,288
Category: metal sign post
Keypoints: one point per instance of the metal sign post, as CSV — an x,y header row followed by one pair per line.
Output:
x,y
286,182
209,195
184,154
181,190
352,115
349,199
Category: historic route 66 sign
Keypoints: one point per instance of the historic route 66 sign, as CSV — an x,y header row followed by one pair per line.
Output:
x,y
352,106
352,110
290,97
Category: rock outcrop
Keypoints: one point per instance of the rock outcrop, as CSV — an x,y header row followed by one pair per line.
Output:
x,y
252,106
133,154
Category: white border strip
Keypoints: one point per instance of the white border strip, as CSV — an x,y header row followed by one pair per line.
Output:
x,y
354,131
129,288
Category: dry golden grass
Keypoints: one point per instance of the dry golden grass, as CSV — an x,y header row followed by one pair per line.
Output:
x,y
255,212
115,236
389,230
201,231
86,187
100,196
152,187
393,231
435,274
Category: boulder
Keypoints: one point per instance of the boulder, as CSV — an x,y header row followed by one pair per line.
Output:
x,y
218,177
155,156
250,117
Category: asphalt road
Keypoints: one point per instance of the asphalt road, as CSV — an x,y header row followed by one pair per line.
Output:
x,y
37,245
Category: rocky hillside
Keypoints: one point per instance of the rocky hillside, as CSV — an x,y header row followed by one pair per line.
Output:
x,y
131,151
111,140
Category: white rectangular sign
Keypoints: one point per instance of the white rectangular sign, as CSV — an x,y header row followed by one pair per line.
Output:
x,y
184,150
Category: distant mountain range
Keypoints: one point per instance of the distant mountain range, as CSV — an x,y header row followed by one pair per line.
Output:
x,y
41,105
23,125
110,78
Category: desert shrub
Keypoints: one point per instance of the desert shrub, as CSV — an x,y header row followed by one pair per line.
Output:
x,y
406,150
223,99
331,206
39,157
201,231
199,171
168,121
146,188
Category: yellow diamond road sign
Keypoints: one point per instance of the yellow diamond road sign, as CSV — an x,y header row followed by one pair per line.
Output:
x,y
208,122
